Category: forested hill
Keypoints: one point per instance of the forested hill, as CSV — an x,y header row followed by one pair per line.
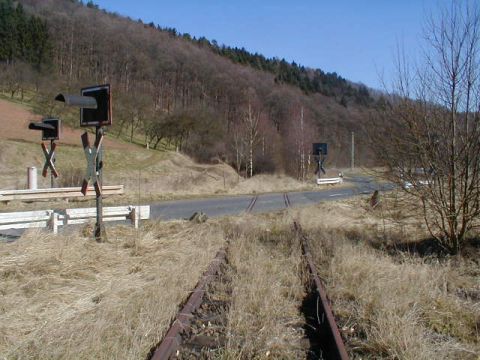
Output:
x,y
22,37
309,80
172,90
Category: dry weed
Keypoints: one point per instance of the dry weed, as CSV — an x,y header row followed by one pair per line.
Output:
x,y
70,297
393,307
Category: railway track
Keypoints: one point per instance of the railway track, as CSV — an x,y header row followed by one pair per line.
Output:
x,y
198,329
185,339
252,203
318,312
173,338
286,200
322,329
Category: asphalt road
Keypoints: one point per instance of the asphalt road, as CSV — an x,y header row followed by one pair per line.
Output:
x,y
235,205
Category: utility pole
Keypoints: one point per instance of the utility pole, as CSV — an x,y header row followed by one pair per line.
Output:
x,y
302,148
353,151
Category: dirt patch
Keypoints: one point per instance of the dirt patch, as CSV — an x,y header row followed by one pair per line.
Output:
x,y
14,120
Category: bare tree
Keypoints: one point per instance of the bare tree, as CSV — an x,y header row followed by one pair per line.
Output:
x,y
429,133
301,133
238,146
251,120
301,148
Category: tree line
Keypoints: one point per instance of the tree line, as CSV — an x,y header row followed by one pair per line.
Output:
x,y
308,80
23,37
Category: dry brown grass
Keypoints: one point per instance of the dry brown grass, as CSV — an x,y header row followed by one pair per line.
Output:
x,y
70,297
174,175
397,218
270,183
397,306
265,319
401,310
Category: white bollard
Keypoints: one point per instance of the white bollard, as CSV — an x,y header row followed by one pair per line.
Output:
x,y
32,178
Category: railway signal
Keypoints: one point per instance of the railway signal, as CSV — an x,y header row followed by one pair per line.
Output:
x,y
320,151
50,129
102,114
95,103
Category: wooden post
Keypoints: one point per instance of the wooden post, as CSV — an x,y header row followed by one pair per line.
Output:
x,y
135,216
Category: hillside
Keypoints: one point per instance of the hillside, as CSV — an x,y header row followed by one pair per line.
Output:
x,y
148,175
14,122
172,91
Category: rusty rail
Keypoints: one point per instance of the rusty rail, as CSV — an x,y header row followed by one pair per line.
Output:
x,y
334,347
252,204
173,339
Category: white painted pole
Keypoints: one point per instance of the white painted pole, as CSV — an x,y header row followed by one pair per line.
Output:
x,y
32,178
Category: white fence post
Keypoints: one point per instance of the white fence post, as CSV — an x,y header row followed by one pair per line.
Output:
x,y
32,178
54,222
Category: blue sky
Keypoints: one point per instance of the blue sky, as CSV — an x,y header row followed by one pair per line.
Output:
x,y
355,38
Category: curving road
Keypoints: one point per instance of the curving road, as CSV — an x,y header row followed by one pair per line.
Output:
x,y
234,205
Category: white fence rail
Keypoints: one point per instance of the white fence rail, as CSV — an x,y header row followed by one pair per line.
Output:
x,y
56,193
326,181
25,219
54,219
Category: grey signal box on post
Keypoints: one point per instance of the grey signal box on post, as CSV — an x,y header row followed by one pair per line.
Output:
x,y
102,114
95,105
320,149
50,128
